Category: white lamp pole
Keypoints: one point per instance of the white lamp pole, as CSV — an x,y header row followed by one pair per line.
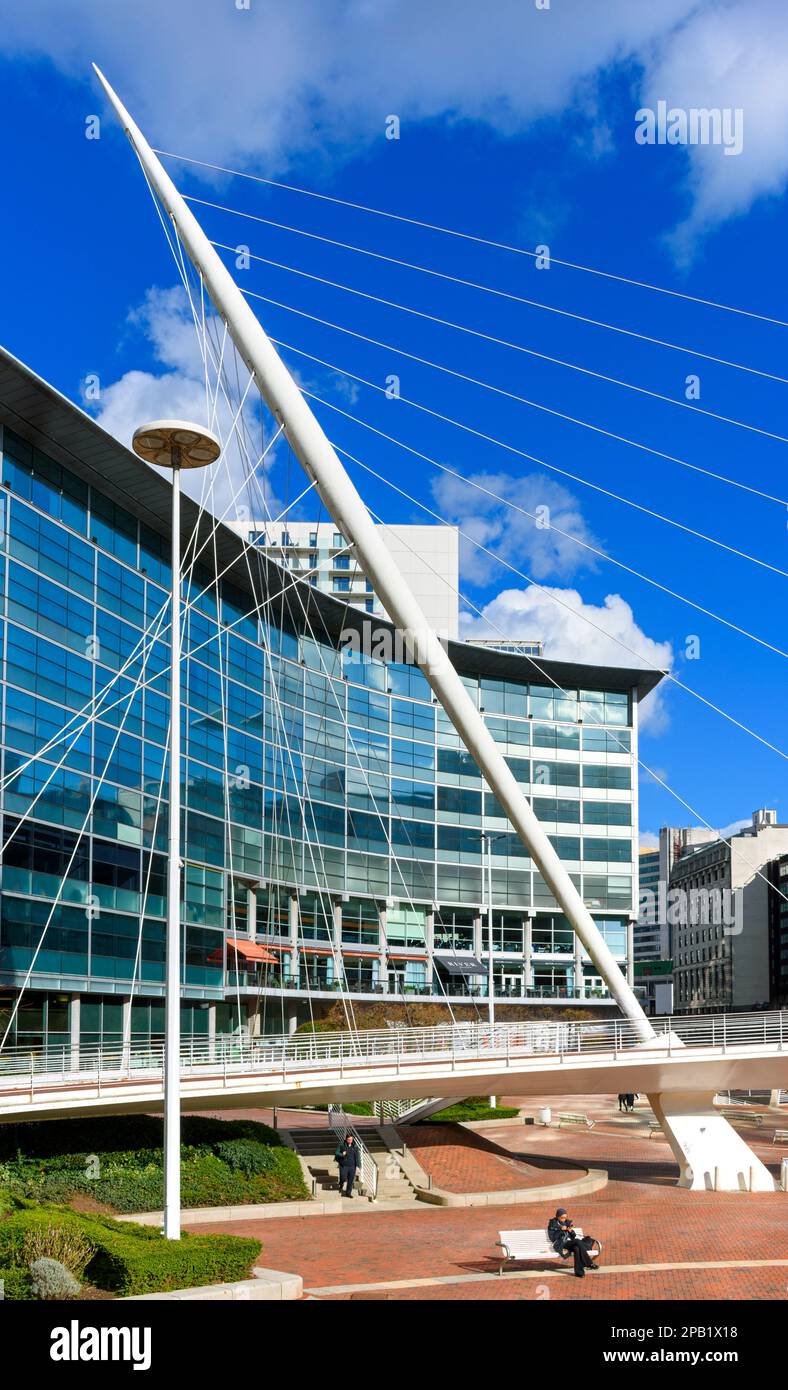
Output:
x,y
174,444
488,839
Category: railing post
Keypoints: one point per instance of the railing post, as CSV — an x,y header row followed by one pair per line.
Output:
x,y
724,1033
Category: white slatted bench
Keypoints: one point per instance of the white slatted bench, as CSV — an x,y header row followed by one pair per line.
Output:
x,y
571,1117
736,1117
529,1245
780,1136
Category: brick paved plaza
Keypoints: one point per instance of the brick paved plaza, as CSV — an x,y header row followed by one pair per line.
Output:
x,y
660,1241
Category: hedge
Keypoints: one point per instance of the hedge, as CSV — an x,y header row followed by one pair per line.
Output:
x,y
223,1162
129,1259
122,1133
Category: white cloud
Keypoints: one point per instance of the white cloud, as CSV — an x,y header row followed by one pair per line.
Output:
x,y
648,839
164,323
528,541
735,826
573,630
273,80
267,86
727,55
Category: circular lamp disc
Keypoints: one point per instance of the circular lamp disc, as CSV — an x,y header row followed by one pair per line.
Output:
x,y
176,444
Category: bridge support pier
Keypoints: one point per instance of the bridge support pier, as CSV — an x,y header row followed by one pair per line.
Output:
x,y
709,1152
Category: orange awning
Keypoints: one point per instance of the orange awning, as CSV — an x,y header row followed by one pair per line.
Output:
x,y
394,956
251,950
366,955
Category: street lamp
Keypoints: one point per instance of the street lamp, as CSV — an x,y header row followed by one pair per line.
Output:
x,y
487,841
174,444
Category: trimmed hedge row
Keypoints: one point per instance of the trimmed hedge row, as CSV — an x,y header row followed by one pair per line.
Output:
x,y
55,1138
127,1259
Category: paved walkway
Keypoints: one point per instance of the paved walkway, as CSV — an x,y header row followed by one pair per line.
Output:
x,y
661,1242
461,1160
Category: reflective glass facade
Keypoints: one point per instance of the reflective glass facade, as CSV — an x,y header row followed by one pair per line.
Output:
x,y
330,811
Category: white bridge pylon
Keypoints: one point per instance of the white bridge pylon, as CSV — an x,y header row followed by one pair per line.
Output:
x,y
344,504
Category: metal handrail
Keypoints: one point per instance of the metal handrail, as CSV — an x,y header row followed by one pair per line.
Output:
x,y
232,1055
342,1125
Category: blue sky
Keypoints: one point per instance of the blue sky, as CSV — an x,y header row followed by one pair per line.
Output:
x,y
523,133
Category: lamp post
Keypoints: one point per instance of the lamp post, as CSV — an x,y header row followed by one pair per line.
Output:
x,y
174,444
487,844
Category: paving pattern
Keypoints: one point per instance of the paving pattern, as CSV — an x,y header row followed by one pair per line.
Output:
x,y
661,1242
460,1160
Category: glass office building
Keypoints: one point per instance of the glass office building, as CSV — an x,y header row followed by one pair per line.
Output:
x,y
333,822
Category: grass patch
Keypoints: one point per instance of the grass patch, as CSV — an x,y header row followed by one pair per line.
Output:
x,y
117,1164
472,1108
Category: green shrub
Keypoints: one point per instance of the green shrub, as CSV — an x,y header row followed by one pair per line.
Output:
x,y
127,1259
69,1142
50,1279
473,1108
15,1284
127,1265
223,1162
245,1156
64,1246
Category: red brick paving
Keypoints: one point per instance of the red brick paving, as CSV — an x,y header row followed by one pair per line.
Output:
x,y
462,1160
641,1216
670,1285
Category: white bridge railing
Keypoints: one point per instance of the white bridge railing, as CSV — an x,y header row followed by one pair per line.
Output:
x,y
281,1055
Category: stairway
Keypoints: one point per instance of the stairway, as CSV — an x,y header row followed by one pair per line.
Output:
x,y
317,1146
393,1186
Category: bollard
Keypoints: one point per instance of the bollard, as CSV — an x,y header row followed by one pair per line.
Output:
x,y
784,1175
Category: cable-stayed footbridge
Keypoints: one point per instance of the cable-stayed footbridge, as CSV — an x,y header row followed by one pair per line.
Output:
x,y
709,1054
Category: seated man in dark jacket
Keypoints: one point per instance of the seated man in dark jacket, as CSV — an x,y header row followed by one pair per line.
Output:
x,y
348,1158
565,1241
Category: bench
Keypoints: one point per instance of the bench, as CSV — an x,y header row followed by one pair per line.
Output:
x,y
780,1136
529,1245
570,1117
736,1117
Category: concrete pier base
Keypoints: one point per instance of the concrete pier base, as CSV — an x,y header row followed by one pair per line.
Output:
x,y
710,1154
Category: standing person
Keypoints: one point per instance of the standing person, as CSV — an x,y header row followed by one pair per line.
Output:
x,y
348,1158
622,1101
630,1102
565,1241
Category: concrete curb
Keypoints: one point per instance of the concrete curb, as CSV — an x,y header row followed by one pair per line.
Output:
x,y
259,1211
266,1285
593,1180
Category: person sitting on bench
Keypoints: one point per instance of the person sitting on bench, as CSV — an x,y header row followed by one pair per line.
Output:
x,y
565,1241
